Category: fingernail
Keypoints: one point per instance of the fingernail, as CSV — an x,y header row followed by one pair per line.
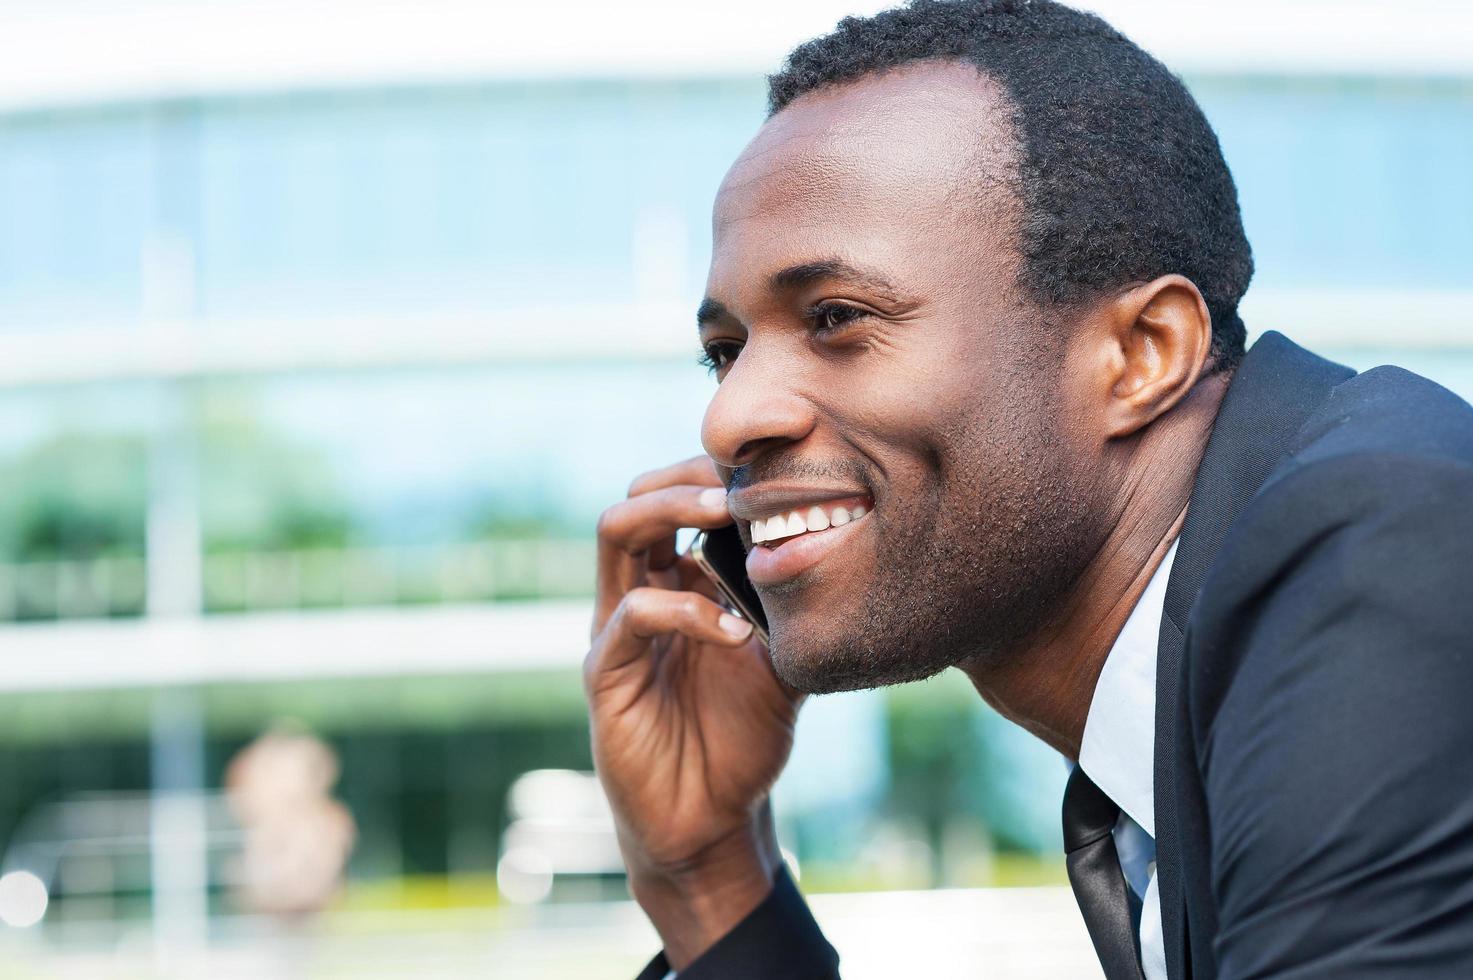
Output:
x,y
714,497
738,628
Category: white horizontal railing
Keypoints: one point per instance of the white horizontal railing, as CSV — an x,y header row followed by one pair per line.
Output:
x,y
176,349
268,646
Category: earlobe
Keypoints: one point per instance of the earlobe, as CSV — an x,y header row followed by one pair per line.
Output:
x,y
1164,333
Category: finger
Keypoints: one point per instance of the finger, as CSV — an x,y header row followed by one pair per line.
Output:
x,y
620,574
635,525
644,614
698,470
636,533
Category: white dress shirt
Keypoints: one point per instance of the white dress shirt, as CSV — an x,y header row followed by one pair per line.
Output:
x,y
1118,752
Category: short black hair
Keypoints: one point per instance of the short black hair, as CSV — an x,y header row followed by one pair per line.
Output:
x,y
1121,178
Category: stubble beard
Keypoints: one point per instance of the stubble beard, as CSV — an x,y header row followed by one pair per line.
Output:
x,y
965,576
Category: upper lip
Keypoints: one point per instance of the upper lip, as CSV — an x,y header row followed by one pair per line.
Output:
x,y
766,499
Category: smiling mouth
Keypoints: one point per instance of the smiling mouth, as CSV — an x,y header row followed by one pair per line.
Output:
x,y
776,530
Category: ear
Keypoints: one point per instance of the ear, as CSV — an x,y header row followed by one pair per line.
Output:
x,y
1159,338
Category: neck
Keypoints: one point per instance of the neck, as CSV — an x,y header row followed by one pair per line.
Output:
x,y
1046,684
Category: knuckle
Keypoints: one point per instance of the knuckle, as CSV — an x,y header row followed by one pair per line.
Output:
x,y
641,484
609,522
636,604
593,674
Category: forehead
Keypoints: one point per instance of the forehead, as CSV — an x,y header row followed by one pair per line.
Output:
x,y
878,163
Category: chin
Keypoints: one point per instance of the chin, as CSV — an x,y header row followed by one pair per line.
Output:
x,y
809,661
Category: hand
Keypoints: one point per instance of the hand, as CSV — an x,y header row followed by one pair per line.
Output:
x,y
690,725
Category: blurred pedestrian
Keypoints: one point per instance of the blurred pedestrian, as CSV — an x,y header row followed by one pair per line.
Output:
x,y
297,838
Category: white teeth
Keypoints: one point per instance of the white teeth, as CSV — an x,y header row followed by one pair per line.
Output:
x,y
778,526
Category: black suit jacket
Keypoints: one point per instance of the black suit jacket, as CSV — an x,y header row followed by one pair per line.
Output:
x,y
1314,703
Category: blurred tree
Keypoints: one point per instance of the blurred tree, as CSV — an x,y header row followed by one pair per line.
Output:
x,y
259,491
935,760
74,496
85,495
953,757
524,511
82,497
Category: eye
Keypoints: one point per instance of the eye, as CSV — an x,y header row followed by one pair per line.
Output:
x,y
718,355
832,317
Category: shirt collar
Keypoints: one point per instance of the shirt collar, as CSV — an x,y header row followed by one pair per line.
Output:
x,y
1119,743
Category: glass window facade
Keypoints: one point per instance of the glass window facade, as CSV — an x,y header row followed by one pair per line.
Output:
x,y
506,195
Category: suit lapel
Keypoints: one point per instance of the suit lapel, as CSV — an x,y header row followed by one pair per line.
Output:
x,y
1273,392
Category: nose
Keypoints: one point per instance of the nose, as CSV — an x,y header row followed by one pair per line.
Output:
x,y
755,409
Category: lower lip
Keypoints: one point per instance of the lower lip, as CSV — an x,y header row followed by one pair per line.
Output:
x,y
791,558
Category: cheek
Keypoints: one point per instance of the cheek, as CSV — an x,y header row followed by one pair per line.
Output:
x,y
929,403
918,439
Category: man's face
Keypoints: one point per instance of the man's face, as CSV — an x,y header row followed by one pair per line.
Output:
x,y
876,359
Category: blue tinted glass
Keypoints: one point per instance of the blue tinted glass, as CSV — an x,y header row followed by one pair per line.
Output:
x,y
1351,182
514,195
506,195
74,214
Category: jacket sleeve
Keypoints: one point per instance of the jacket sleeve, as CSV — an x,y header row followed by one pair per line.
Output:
x,y
778,940
1334,726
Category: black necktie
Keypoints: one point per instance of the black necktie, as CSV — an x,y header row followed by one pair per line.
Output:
x,y
1094,872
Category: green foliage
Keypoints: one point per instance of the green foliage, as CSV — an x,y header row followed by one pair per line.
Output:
x,y
259,491
935,756
82,496
74,496
521,514
952,756
274,523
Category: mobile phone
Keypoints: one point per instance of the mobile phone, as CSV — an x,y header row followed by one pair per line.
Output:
x,y
721,556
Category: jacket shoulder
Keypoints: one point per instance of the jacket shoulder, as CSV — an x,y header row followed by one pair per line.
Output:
x,y
1371,510
1386,410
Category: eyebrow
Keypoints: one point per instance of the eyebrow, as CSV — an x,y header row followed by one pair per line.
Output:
x,y
805,274
710,310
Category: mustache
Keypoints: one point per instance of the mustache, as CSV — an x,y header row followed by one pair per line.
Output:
x,y
793,469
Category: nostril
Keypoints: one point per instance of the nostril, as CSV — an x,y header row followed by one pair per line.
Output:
x,y
755,448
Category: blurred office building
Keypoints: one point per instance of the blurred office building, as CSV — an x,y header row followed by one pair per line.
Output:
x,y
326,331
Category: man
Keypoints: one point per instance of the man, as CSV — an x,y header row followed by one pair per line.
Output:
x,y
984,403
